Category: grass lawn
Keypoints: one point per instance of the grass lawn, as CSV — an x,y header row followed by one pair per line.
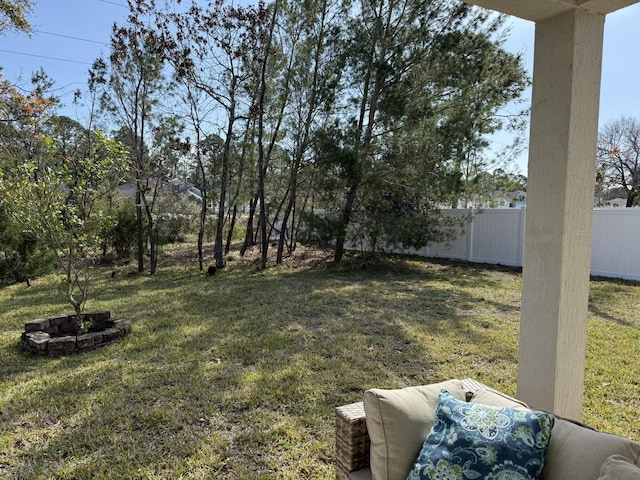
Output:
x,y
236,376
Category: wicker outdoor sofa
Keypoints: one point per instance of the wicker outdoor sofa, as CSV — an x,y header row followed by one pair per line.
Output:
x,y
380,437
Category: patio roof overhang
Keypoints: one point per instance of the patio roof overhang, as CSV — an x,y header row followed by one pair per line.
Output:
x,y
561,180
537,10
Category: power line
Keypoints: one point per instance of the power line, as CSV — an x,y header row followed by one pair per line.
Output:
x,y
114,3
44,56
72,38
51,90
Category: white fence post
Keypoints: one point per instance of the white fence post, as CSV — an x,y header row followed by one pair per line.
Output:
x,y
523,221
471,233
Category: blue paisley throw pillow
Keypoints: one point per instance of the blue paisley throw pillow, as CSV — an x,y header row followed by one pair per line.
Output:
x,y
476,441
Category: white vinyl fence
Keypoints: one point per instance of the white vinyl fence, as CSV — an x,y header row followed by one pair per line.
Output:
x,y
497,236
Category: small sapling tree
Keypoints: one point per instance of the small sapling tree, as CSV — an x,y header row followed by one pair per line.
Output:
x,y
62,203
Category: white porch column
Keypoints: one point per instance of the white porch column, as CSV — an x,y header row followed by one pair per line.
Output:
x,y
562,152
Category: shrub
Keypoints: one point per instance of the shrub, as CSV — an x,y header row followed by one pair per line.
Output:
x,y
123,233
22,257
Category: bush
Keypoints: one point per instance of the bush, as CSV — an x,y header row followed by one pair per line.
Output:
x,y
22,257
123,233
177,218
319,230
175,227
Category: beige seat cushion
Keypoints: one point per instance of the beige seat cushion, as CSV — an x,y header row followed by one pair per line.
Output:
x,y
362,474
619,467
398,421
577,453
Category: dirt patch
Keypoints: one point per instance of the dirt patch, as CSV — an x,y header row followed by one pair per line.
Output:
x,y
301,257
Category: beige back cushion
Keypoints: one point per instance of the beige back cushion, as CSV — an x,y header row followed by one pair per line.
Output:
x,y
577,453
496,399
398,421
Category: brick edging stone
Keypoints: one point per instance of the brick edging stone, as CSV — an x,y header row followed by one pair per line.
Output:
x,y
57,335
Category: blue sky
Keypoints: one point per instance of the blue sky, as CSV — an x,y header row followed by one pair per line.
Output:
x,y
620,89
83,19
89,23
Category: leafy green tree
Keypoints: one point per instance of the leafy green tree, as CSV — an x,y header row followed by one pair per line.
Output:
x,y
61,205
401,199
132,86
70,137
13,15
371,113
24,119
23,257
23,125
209,46
418,66
387,45
482,78
308,33
485,188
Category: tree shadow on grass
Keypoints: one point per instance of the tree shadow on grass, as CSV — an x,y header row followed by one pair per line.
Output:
x,y
342,341
240,373
610,294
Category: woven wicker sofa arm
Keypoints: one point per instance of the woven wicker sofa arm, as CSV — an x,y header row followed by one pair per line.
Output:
x,y
352,440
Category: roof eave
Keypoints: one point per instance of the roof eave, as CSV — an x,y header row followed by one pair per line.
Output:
x,y
537,10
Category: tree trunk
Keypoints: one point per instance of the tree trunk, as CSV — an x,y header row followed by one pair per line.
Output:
x,y
296,221
203,187
232,226
219,244
219,249
248,237
140,231
153,243
201,230
631,197
264,244
272,225
262,168
346,218
293,187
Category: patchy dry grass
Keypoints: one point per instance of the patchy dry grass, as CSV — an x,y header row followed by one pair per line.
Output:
x,y
236,376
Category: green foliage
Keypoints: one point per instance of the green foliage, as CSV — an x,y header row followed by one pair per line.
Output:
x,y
131,87
422,84
482,188
320,229
355,80
59,204
175,227
23,257
24,116
13,15
178,218
121,235
400,202
25,112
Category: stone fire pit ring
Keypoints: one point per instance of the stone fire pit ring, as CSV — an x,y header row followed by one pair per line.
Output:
x,y
59,335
